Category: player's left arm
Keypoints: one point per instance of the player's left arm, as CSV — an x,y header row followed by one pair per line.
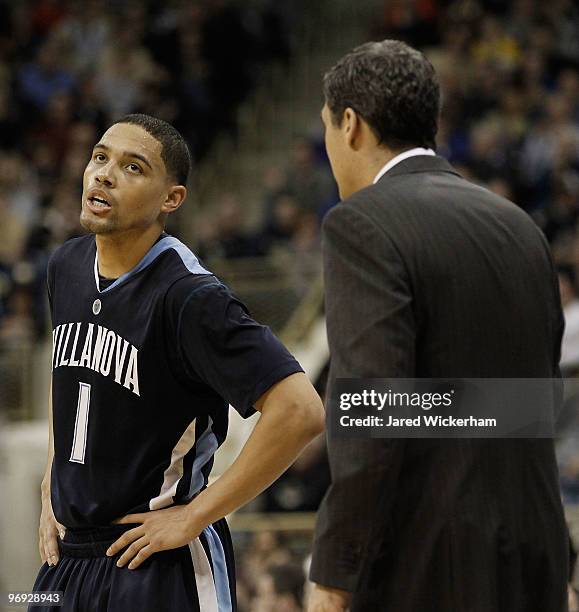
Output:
x,y
291,416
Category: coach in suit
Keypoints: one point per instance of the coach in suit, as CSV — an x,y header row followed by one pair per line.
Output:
x,y
428,275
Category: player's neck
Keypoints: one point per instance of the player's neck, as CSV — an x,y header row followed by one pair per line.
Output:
x,y
119,253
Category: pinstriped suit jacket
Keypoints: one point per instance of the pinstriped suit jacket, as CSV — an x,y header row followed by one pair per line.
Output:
x,y
429,275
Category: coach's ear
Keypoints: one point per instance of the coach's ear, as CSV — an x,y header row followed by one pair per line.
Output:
x,y
351,128
175,197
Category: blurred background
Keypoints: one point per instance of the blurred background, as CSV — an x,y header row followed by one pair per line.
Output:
x,y
242,82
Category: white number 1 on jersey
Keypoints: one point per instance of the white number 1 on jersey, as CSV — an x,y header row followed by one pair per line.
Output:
x,y
81,424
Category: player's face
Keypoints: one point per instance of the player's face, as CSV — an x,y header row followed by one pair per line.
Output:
x,y
125,184
334,140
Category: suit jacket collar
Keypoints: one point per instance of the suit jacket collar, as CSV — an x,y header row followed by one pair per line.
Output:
x,y
419,163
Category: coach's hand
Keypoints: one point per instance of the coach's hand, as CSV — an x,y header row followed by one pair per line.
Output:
x,y
48,532
159,530
326,599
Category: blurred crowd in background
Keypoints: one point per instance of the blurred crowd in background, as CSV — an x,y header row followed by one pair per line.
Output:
x,y
70,68
510,120
509,73
294,199
272,570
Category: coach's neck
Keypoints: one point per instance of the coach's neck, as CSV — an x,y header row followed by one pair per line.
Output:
x,y
364,166
360,155
120,252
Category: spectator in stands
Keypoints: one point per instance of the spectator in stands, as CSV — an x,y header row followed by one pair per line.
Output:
x,y
280,589
12,231
302,487
47,76
18,185
495,45
284,219
266,548
54,127
224,235
86,30
8,120
307,180
570,302
125,69
411,20
566,14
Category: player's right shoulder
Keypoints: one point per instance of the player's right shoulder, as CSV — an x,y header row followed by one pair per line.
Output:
x,y
193,286
197,299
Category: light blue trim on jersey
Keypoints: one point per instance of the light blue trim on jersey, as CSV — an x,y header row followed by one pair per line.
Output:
x,y
169,242
220,575
204,449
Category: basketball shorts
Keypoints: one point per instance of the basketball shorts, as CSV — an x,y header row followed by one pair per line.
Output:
x,y
199,577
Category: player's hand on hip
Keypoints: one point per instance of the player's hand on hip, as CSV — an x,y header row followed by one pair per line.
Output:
x,y
48,532
158,530
326,599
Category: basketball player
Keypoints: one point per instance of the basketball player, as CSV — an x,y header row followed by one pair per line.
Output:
x,y
149,350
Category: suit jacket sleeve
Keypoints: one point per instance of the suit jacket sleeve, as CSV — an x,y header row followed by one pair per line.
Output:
x,y
372,333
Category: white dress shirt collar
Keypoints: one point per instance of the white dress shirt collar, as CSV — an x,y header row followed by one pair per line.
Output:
x,y
402,157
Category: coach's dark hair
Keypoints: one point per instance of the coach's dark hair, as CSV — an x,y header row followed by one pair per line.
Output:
x,y
174,150
393,87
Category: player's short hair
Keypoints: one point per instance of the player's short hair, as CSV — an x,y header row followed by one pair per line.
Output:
x,y
393,87
174,150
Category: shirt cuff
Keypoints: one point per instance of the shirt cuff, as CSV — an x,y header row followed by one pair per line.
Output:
x,y
278,373
336,566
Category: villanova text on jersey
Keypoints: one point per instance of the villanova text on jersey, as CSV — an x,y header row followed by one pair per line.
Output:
x,y
101,348
144,369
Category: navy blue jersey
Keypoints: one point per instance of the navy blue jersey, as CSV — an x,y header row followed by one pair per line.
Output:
x,y
143,371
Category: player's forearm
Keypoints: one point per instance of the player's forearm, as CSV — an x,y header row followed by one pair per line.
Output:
x,y
45,484
278,438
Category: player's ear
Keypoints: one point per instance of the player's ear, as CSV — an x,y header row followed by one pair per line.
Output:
x,y
175,197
